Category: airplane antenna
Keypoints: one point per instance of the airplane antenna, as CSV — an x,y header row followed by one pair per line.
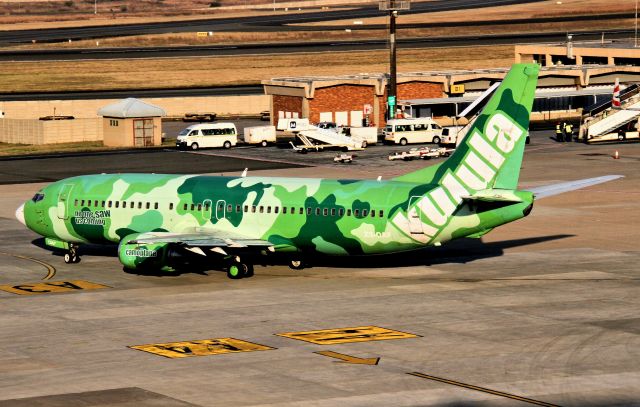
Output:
x,y
244,173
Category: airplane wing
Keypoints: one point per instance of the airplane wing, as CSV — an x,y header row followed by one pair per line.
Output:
x,y
555,189
209,239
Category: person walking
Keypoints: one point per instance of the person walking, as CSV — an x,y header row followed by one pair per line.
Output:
x,y
559,130
568,132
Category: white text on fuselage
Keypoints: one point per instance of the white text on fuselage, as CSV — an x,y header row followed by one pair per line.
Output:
x,y
477,169
91,218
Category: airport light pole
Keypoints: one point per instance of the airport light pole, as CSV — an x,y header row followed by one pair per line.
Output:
x,y
393,6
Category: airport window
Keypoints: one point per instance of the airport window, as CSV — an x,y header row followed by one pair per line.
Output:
x,y
193,207
253,209
364,213
113,123
276,209
171,206
261,209
184,207
341,212
148,205
199,207
325,212
333,211
155,206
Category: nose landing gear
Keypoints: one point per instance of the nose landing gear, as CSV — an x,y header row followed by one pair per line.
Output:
x,y
71,256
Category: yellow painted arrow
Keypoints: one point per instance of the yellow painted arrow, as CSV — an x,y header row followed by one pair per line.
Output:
x,y
349,359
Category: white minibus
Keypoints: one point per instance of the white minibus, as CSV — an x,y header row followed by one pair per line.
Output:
x,y
205,135
409,131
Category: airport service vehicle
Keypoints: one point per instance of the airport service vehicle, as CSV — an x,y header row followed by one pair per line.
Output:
x,y
368,135
293,125
262,135
424,153
411,131
164,223
206,135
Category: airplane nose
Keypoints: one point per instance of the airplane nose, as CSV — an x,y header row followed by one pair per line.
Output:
x,y
20,214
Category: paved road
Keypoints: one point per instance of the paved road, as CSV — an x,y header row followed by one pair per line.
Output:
x,y
258,23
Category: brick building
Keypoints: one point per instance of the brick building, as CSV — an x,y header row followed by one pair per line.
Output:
x,y
346,100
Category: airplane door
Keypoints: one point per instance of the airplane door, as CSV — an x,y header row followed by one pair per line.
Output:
x,y
63,198
207,209
415,216
221,209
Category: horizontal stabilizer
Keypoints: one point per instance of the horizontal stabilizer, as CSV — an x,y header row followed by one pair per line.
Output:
x,y
494,195
555,189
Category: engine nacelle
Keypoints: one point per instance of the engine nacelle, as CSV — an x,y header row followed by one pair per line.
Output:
x,y
134,256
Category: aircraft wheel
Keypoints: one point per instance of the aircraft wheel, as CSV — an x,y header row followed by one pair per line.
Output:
x,y
296,264
249,271
236,270
67,258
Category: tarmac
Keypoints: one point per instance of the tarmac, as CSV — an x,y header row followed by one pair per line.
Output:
x,y
542,311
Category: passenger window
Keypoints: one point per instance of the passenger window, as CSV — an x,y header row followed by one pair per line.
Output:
x,y
373,213
253,209
95,203
333,211
356,212
82,203
302,211
171,206
148,205
325,212
193,133
261,209
124,204
140,205
341,212
185,206
276,209
348,212
229,208
381,214
317,211
75,203
308,211
199,207
155,206
364,212
103,204
109,204
193,207
268,209
117,204
238,208
284,209
246,208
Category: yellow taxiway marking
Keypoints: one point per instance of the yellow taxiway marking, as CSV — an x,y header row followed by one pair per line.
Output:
x,y
348,335
202,347
51,271
348,358
51,287
483,389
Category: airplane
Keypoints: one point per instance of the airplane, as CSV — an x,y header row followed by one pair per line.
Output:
x,y
163,222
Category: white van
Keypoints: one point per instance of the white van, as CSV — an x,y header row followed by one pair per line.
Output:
x,y
405,131
205,135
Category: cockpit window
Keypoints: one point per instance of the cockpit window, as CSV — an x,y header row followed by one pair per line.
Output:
x,y
38,197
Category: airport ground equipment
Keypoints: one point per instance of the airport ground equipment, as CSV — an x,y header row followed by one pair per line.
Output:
x,y
262,135
319,139
424,153
344,158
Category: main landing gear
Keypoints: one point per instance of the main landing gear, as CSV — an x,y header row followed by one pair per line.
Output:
x,y
237,268
71,256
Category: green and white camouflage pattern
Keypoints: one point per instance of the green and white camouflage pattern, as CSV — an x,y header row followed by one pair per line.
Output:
x,y
467,195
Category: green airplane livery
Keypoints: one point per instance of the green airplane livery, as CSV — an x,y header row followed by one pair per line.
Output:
x,y
164,222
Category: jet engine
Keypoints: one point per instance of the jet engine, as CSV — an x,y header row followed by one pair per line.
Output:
x,y
147,256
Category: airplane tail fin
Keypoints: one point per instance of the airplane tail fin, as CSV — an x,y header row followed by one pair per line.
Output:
x,y
491,153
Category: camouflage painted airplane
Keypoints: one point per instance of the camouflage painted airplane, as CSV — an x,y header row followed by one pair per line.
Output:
x,y
163,222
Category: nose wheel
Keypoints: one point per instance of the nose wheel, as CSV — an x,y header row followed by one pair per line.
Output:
x,y
71,256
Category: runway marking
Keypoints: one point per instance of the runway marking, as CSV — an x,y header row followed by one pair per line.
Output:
x,y
483,389
51,271
348,335
51,287
348,358
204,347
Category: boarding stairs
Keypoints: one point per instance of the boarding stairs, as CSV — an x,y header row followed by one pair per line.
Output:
x,y
604,124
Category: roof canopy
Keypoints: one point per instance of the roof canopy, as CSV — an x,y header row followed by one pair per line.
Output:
x,y
131,107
